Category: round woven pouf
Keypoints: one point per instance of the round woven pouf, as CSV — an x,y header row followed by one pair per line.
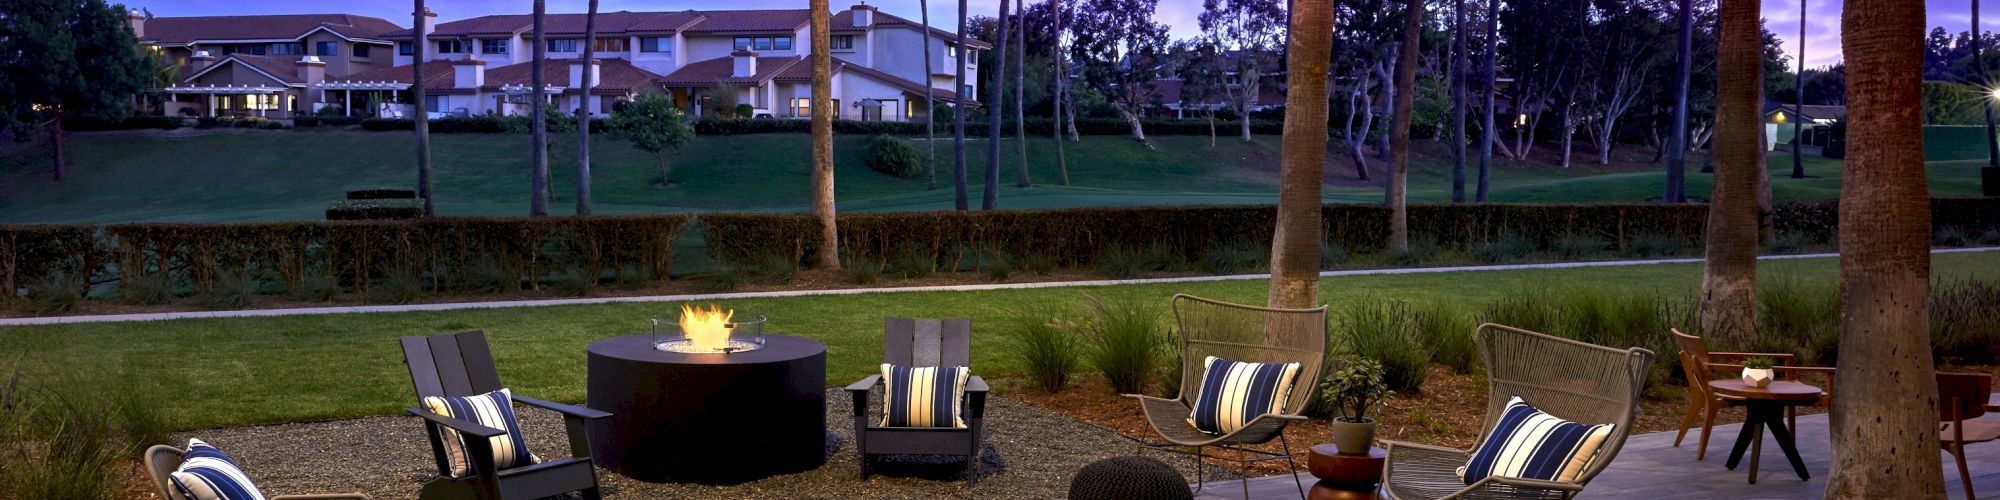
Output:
x,y
1129,478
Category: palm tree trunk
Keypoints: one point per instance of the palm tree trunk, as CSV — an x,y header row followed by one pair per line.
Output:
x,y
1729,293
958,115
1399,126
1020,84
1062,164
827,254
1490,134
1676,191
998,106
421,119
1295,246
1458,101
538,203
1986,105
930,103
1885,442
583,112
1799,108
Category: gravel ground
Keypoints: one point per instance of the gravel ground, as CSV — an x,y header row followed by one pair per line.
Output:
x,y
1030,453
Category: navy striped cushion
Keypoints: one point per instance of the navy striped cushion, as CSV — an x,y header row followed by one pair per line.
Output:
x,y
494,409
1529,444
207,474
1234,393
923,397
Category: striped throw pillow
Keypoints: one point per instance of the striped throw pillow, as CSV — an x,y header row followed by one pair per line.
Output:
x,y
1530,444
494,409
1233,393
923,397
207,474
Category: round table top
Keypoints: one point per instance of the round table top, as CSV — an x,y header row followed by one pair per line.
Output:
x,y
1779,390
777,349
1326,462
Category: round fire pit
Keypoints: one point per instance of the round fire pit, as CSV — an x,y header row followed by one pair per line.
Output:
x,y
708,418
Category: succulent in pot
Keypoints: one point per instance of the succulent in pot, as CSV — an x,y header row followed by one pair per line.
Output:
x,y
1757,372
1359,394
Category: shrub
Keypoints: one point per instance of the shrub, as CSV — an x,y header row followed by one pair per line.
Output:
x,y
862,272
136,122
482,276
1965,321
1039,264
996,264
1951,236
1421,251
401,286
1046,348
145,290
1236,257
235,290
1794,317
1785,242
1124,336
56,293
895,156
1653,246
1117,262
1385,331
1353,391
1507,248
773,269
1575,246
911,262
1331,255
1447,334
367,209
1160,257
382,194
1990,237
317,285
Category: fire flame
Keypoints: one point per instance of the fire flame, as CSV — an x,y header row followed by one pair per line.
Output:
x,y
708,329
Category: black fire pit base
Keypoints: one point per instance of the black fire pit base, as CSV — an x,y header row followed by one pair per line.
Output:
x,y
708,418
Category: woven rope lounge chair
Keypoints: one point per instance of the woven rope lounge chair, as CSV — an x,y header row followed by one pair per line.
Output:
x,y
1239,333
1571,380
162,460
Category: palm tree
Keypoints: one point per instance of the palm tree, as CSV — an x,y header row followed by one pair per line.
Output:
x,y
1490,134
1061,76
1458,101
930,103
1799,108
1676,191
1729,287
827,255
538,203
1399,126
998,105
583,111
1885,441
1020,84
421,119
1979,62
1295,246
961,52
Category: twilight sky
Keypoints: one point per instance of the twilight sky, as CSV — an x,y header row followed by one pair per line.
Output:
x,y
1822,30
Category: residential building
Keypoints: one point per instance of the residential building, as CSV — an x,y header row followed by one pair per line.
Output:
x,y
266,65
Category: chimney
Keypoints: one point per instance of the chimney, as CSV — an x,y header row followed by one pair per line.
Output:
x,y
576,73
864,15
200,59
138,21
311,69
468,73
746,63
430,22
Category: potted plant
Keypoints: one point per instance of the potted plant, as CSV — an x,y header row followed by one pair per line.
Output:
x,y
1358,394
1757,372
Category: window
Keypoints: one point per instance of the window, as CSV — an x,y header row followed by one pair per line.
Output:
x,y
801,107
435,103
965,91
360,50
742,43
493,45
782,43
288,49
836,109
616,44
253,49
327,49
450,47
763,43
910,112
404,49
842,42
656,44
563,45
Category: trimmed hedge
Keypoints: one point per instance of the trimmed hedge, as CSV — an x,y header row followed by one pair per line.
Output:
x,y
85,124
475,124
382,194
326,121
1035,126
373,209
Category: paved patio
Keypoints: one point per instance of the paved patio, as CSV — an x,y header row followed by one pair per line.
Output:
x,y
1650,466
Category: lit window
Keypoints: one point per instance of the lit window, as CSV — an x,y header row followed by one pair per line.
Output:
x,y
494,46
802,107
843,42
616,44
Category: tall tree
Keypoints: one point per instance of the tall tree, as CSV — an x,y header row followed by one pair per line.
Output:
x,y
652,123
1120,48
1729,273
422,118
1244,32
1399,126
1676,186
1487,83
1458,101
1885,438
1985,105
538,121
1295,245
1799,107
991,196
930,103
827,254
1020,87
68,58
1061,92
583,111
960,53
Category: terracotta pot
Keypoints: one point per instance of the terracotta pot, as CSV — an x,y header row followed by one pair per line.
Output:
x,y
1755,377
1353,438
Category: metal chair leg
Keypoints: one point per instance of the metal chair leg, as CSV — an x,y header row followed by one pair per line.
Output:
x,y
1198,481
1243,471
1293,466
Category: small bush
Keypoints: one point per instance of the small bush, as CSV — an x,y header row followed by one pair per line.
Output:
x,y
317,285
895,156
151,289
1785,242
1047,349
1160,257
1991,236
1507,248
1574,246
1965,321
1653,246
722,277
374,209
1447,334
911,262
1124,336
1951,236
382,194
56,293
233,290
1421,251
574,283
1331,255
1385,331
997,265
1797,318
862,273
482,276
1117,262
1236,257
401,286
773,269
1039,264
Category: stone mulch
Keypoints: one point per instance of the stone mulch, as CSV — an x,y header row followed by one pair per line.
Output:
x,y
1030,453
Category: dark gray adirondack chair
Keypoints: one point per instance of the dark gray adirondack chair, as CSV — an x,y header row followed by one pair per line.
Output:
x,y
459,364
920,343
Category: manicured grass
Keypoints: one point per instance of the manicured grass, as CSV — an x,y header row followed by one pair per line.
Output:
x,y
234,175
225,372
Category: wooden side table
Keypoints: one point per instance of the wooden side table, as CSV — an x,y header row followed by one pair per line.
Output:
x,y
1345,477
1765,407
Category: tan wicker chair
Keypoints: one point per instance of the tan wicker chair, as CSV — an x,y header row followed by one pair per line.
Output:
x,y
1572,380
162,460
1238,333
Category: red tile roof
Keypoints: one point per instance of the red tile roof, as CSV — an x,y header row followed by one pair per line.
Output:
x,y
617,75
843,22
285,69
437,75
740,21
181,30
722,69
802,72
608,23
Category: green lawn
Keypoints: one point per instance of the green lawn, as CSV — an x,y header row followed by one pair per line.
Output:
x,y
223,372
232,175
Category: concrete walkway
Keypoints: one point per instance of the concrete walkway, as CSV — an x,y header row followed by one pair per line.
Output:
x,y
251,313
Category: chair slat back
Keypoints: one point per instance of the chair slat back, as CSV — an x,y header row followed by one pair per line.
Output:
x,y
457,364
927,342
162,461
1962,396
1693,356
1254,334
1573,380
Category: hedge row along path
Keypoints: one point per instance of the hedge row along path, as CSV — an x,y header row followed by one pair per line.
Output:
x,y
112,318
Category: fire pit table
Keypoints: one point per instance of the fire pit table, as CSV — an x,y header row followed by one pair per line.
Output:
x,y
710,418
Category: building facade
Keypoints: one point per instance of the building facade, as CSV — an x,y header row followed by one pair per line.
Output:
x,y
259,65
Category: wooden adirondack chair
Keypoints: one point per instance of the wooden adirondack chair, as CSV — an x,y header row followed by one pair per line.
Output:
x,y
922,343
460,365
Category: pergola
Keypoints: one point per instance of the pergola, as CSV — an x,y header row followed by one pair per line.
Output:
x,y
347,106
259,91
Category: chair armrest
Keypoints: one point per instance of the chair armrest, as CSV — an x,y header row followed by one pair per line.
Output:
x,y
975,397
865,384
858,393
462,426
1781,358
566,410
1531,483
1392,445
1143,397
323,496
